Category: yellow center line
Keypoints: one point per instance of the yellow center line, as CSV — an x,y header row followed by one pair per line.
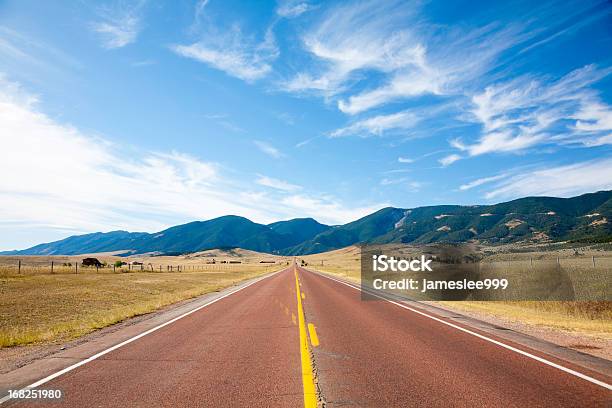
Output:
x,y
310,395
314,339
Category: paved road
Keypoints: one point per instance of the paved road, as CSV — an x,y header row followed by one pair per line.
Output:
x,y
374,353
258,348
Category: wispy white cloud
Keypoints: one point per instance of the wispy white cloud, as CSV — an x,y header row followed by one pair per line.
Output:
x,y
229,50
529,111
343,50
402,182
565,20
560,181
64,179
268,149
448,160
443,65
276,183
234,54
598,141
405,160
392,40
501,142
35,60
593,116
305,142
481,181
119,24
377,125
10,50
143,63
389,181
224,121
292,8
200,7
61,176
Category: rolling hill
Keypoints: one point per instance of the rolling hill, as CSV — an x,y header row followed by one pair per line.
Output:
x,y
298,230
585,218
224,232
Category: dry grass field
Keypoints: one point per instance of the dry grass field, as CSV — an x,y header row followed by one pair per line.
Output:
x,y
39,307
590,318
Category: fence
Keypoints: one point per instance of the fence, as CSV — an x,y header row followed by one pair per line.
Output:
x,y
351,266
28,267
527,263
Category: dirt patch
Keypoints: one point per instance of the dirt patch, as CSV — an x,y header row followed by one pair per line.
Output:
x,y
513,223
583,347
599,222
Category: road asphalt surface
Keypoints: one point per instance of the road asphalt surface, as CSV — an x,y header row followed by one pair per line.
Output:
x,y
297,338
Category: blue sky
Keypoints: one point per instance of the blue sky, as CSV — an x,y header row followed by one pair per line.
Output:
x,y
139,115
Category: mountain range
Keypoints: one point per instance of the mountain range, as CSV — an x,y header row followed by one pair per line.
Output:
x,y
538,219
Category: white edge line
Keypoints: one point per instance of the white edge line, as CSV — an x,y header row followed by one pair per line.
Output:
x,y
131,339
480,336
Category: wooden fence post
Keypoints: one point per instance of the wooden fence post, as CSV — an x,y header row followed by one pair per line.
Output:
x,y
593,259
76,267
19,267
51,267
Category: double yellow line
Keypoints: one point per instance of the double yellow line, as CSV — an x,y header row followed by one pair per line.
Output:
x,y
310,394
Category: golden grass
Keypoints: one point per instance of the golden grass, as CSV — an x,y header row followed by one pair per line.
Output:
x,y
590,318
344,263
41,308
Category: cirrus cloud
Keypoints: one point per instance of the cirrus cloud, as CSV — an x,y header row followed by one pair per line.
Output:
x,y
65,181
